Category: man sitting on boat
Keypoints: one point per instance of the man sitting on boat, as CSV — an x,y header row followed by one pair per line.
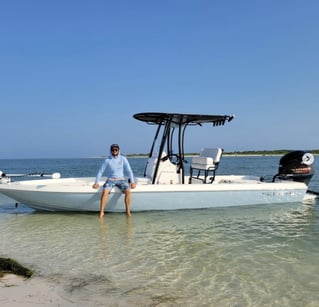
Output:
x,y
116,165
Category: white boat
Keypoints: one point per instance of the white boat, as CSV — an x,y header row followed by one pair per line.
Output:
x,y
169,183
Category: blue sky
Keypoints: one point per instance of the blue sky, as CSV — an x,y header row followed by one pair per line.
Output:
x,y
72,73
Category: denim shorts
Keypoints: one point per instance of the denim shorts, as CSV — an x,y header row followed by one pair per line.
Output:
x,y
121,184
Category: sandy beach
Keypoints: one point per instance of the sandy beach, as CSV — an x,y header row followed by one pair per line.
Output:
x,y
19,291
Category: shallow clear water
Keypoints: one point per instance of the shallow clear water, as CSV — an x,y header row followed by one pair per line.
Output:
x,y
248,256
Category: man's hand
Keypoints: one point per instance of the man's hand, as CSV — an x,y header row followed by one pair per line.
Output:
x,y
95,186
133,185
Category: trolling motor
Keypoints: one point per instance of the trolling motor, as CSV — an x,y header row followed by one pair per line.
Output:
x,y
4,178
296,166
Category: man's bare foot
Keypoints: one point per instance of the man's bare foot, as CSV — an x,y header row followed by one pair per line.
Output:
x,y
101,215
128,213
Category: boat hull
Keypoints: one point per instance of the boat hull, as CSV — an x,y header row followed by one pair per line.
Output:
x,y
77,194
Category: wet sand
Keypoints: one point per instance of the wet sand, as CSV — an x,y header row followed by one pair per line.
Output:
x,y
19,291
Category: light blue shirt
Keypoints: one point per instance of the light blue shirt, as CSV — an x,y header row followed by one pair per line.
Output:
x,y
116,167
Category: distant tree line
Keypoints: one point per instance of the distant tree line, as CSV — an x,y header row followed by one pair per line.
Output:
x,y
244,152
267,152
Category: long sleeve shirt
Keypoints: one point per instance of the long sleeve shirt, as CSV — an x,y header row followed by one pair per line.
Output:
x,y
116,168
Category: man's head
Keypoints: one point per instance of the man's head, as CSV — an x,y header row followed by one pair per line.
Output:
x,y
115,148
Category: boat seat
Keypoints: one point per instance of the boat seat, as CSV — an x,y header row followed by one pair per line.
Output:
x,y
207,162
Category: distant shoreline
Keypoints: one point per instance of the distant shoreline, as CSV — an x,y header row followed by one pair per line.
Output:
x,y
238,153
225,154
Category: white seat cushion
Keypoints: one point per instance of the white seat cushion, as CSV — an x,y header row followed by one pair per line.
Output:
x,y
202,160
204,166
207,161
214,153
208,158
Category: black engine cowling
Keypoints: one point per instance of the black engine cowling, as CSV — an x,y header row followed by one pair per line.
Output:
x,y
296,166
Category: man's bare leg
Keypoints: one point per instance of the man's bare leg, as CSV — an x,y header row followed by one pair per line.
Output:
x,y
103,202
128,202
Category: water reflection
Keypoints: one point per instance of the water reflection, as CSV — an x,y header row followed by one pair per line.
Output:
x,y
122,224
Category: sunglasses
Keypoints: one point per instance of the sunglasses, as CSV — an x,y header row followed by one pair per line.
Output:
x,y
115,149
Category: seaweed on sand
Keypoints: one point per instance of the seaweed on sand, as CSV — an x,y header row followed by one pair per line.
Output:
x,y
8,265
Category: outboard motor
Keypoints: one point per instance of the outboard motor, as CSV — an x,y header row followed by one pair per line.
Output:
x,y
296,166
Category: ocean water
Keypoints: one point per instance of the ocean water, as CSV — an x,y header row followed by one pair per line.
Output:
x,y
248,256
